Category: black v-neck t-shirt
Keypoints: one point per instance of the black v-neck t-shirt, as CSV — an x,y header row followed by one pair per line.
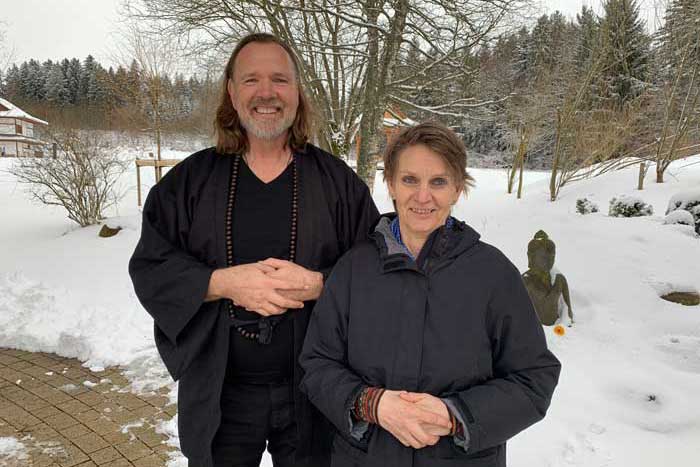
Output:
x,y
262,219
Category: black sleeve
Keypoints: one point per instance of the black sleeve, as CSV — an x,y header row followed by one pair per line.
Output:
x,y
525,372
364,213
170,283
328,381
358,211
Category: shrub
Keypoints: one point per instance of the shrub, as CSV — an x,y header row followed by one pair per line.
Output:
x,y
585,206
82,178
679,216
685,201
629,206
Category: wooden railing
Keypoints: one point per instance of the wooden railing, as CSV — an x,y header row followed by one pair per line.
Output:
x,y
157,165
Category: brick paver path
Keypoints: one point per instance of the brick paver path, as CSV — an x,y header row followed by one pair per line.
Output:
x,y
66,415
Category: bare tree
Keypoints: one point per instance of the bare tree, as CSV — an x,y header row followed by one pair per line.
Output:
x,y
82,178
350,51
586,135
529,114
7,52
158,56
681,104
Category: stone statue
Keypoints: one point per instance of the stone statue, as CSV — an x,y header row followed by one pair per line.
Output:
x,y
549,294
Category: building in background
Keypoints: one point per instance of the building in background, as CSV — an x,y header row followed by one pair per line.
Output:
x,y
17,132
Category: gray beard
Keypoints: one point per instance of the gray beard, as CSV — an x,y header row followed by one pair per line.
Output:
x,y
266,132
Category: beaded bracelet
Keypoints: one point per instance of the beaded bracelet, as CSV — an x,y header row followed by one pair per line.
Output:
x,y
367,404
457,429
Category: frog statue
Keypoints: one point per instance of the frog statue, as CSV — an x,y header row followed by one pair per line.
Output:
x,y
548,289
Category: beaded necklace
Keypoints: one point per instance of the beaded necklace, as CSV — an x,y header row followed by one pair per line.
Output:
x,y
267,323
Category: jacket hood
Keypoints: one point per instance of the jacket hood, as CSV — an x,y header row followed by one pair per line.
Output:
x,y
443,243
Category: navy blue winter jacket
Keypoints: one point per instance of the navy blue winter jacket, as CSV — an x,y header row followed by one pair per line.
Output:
x,y
460,327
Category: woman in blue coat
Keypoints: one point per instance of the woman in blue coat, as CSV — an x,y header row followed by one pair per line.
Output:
x,y
424,348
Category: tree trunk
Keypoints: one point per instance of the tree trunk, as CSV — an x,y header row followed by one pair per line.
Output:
x,y
520,179
522,150
642,173
366,153
379,73
555,162
511,175
659,174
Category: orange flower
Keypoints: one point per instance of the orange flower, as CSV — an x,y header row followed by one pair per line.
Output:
x,y
559,330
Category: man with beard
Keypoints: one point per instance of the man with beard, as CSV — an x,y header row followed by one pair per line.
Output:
x,y
236,241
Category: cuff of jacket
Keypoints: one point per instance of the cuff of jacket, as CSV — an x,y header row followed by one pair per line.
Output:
x,y
356,428
461,437
325,272
199,276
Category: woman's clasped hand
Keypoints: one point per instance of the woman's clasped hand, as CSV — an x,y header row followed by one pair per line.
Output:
x,y
416,420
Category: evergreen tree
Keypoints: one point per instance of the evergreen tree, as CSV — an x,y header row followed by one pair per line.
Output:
x,y
32,81
120,84
56,87
73,75
589,36
680,33
625,48
134,88
87,78
523,56
540,51
13,83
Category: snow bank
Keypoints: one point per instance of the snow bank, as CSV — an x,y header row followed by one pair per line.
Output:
x,y
12,451
679,217
36,318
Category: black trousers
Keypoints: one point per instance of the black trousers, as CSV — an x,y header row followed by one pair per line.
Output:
x,y
255,417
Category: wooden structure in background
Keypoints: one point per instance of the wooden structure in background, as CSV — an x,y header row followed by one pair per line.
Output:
x,y
392,122
17,132
157,165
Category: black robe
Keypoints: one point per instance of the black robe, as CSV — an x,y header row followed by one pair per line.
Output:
x,y
183,241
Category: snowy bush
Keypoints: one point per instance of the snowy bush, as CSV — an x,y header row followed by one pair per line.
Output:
x,y
679,216
685,202
629,206
585,206
82,178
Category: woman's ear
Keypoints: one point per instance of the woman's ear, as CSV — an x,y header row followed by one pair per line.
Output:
x,y
390,187
460,192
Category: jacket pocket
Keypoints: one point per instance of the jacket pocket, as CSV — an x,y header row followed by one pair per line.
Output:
x,y
447,449
345,454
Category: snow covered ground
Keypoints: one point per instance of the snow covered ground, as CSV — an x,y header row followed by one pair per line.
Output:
x,y
628,394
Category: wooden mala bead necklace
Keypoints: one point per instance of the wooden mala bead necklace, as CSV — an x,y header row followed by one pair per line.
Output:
x,y
265,324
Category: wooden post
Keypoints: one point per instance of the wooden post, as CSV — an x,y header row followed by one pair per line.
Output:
x,y
640,179
156,168
138,182
520,178
54,150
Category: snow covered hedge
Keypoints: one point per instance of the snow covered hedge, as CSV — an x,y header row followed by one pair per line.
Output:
x,y
629,206
585,206
679,216
683,208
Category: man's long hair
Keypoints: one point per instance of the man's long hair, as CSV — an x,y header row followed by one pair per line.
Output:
x,y
231,137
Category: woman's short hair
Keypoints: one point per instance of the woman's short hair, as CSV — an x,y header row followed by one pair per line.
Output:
x,y
231,137
439,139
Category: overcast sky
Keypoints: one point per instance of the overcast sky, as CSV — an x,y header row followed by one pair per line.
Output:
x,y
55,29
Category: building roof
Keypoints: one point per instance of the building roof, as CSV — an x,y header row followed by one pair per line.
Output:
x,y
9,110
395,118
391,122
